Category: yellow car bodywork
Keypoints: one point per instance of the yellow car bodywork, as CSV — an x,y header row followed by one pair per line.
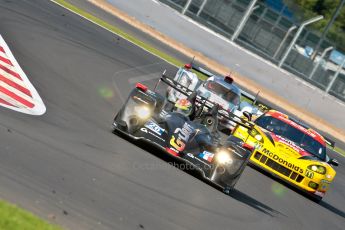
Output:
x,y
281,159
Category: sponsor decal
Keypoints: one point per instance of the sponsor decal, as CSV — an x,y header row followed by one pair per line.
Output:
x,y
309,132
145,130
297,126
193,157
177,143
172,151
290,144
262,107
151,133
325,181
181,136
280,160
206,156
163,114
154,127
309,174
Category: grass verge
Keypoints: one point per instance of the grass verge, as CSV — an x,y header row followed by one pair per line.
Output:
x,y
340,151
119,32
124,35
14,218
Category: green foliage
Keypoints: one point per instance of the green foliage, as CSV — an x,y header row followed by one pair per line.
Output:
x,y
304,9
14,218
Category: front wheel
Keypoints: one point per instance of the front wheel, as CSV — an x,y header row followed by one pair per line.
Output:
x,y
219,176
316,199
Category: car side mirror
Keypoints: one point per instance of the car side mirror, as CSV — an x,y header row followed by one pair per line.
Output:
x,y
248,115
333,162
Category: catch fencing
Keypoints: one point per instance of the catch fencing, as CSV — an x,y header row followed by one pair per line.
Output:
x,y
268,32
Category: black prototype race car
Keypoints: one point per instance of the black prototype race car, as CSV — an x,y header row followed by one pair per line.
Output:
x,y
194,139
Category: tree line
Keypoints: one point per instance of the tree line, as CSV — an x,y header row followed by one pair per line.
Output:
x,y
304,9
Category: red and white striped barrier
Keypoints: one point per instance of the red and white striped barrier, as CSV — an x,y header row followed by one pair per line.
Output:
x,y
16,91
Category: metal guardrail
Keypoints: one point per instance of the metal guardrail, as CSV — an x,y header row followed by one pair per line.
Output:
x,y
266,33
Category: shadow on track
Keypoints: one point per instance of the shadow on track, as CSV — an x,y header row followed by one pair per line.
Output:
x,y
332,209
302,193
244,198
236,194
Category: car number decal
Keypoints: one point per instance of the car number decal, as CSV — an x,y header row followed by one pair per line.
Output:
x,y
154,127
181,136
309,174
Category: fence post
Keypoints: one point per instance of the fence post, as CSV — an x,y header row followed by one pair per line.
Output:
x,y
201,7
186,6
284,40
244,19
335,75
319,62
298,33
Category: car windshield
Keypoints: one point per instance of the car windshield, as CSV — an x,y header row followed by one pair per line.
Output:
x,y
223,92
289,132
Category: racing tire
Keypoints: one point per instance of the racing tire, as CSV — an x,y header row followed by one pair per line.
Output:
x,y
228,189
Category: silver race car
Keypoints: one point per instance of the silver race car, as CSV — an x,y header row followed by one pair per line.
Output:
x,y
217,89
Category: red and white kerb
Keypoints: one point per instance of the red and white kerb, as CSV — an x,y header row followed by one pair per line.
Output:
x,y
16,91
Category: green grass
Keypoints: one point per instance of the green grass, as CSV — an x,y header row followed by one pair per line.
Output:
x,y
14,218
138,42
339,150
125,35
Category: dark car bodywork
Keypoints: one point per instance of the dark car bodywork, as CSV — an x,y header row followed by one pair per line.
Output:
x,y
193,139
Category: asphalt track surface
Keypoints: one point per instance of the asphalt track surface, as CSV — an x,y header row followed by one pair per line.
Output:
x,y
67,166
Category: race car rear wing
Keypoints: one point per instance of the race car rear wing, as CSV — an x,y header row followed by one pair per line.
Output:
x,y
201,70
201,101
247,96
254,100
198,69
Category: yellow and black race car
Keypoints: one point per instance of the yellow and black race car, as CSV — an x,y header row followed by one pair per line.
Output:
x,y
290,150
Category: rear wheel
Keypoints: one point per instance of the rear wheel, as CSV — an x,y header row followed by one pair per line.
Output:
x,y
228,189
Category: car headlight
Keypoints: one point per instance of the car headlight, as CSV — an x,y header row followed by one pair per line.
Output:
x,y
223,157
317,168
254,133
143,112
